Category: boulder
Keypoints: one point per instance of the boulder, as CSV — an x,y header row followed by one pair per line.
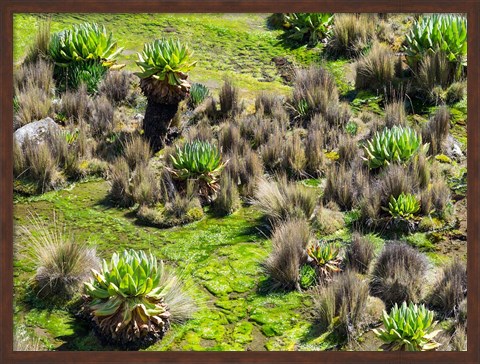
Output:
x,y
452,148
37,131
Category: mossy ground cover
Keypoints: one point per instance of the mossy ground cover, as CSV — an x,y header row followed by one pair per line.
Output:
x,y
225,45
219,258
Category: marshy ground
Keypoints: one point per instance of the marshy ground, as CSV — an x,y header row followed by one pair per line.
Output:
x,y
221,259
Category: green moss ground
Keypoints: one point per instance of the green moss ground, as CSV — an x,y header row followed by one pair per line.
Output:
x,y
219,257
240,47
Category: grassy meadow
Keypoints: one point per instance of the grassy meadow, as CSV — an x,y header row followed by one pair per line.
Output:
x,y
305,180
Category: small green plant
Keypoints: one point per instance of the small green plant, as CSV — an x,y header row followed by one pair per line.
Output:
x,y
165,62
434,33
308,276
325,256
409,328
89,73
302,108
71,136
351,128
127,298
84,42
397,144
198,93
197,160
309,28
82,55
405,206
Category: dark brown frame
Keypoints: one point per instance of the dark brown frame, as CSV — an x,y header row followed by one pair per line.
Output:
x,y
9,7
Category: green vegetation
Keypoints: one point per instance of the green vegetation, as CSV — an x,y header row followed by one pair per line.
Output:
x,y
235,161
129,298
397,144
405,206
308,28
198,93
198,159
325,257
168,62
439,33
409,328
84,42
82,55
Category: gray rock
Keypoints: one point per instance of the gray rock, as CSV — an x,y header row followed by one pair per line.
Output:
x,y
452,148
37,131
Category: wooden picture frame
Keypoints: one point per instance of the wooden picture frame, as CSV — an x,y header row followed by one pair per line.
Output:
x,y
10,7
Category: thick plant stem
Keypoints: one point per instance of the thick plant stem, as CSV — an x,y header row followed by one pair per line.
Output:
x,y
158,118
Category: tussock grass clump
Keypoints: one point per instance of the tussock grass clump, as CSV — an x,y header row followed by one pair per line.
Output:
x,y
245,169
229,137
281,200
39,49
268,105
314,90
284,155
316,160
347,149
273,153
351,34
120,175
359,254
294,161
289,241
201,131
24,341
440,196
19,162
395,181
38,74
180,209
341,305
456,92
450,290
229,99
258,129
436,198
34,103
370,205
434,74
76,105
131,179
137,152
145,188
375,70
41,166
341,186
327,220
252,171
62,262
454,340
102,121
436,130
395,114
398,274
69,152
420,169
116,86
228,199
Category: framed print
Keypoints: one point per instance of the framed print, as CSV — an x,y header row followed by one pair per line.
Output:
x,y
239,181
